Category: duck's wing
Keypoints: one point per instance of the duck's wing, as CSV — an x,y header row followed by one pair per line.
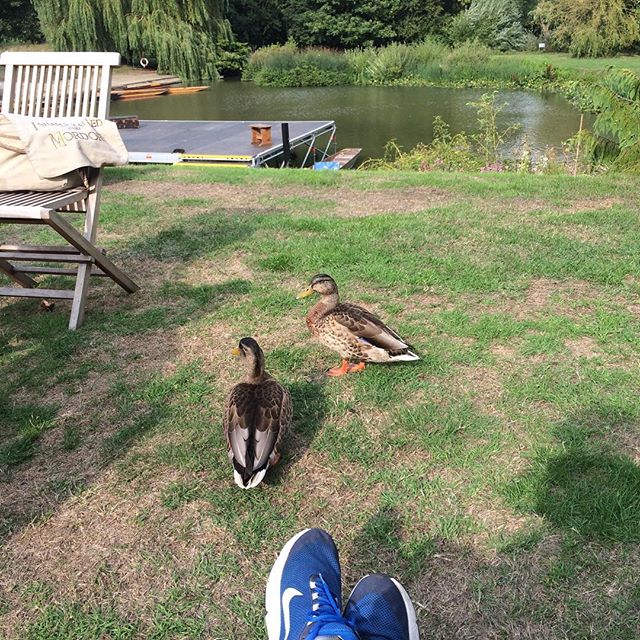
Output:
x,y
255,418
367,326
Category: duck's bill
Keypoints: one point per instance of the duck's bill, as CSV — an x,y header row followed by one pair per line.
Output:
x,y
305,294
235,351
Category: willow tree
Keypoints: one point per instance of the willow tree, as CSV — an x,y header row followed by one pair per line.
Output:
x,y
498,24
181,35
590,28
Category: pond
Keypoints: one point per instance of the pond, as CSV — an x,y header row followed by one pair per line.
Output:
x,y
368,117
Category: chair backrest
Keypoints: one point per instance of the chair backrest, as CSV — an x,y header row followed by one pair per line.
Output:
x,y
56,85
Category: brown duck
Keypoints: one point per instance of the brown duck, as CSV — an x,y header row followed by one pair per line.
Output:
x,y
356,334
257,413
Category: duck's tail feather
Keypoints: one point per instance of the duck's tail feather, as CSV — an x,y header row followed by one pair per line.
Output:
x,y
252,482
408,356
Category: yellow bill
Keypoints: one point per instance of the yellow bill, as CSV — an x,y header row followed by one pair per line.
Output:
x,y
235,351
305,294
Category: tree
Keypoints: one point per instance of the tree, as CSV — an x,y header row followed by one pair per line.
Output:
x,y
342,24
179,34
590,27
258,22
498,24
416,19
18,21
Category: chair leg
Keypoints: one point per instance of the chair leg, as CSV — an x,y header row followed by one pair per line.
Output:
x,y
80,296
84,270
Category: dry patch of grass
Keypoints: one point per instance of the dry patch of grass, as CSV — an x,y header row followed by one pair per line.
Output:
x,y
584,347
341,201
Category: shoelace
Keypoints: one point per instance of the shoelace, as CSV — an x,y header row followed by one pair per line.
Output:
x,y
324,609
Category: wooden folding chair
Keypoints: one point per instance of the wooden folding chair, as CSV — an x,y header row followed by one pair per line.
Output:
x,y
57,85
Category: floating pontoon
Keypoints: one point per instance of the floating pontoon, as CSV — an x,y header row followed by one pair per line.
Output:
x,y
224,142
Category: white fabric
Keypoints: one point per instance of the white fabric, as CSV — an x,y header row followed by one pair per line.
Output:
x,y
45,153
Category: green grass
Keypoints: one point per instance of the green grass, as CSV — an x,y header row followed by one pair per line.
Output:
x,y
579,65
498,477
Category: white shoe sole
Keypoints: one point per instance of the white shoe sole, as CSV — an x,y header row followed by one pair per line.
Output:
x,y
272,599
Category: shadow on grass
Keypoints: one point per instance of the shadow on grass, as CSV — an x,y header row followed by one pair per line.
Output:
x,y
38,354
584,485
536,586
193,236
381,545
309,410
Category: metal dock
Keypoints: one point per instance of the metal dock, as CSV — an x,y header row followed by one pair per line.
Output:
x,y
223,142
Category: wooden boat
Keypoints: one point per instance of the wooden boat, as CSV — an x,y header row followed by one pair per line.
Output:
x,y
343,159
141,95
180,90
138,92
146,84
152,90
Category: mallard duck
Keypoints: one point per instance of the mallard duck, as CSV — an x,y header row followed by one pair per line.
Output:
x,y
257,413
356,334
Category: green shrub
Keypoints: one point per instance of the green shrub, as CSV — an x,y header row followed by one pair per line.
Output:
x,y
445,153
615,99
231,57
359,61
429,51
288,66
467,54
275,55
470,64
390,63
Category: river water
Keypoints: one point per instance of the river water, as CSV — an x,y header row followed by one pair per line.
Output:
x,y
368,117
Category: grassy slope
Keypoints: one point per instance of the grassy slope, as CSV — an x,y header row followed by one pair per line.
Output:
x,y
498,478
576,65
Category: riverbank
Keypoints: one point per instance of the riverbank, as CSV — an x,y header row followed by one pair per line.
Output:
x,y
425,64
503,464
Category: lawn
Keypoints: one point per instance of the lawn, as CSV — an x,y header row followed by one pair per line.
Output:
x,y
573,65
498,477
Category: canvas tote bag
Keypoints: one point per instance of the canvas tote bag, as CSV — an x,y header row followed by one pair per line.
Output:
x,y
45,154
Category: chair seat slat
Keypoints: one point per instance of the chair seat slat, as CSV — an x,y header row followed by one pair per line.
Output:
x,y
55,271
38,248
45,257
17,292
43,199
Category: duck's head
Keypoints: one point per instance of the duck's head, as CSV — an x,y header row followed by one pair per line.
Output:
x,y
250,351
323,284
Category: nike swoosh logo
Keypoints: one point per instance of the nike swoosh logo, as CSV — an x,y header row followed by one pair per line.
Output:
x,y
287,596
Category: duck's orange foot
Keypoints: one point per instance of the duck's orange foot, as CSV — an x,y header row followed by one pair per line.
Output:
x,y
356,367
339,371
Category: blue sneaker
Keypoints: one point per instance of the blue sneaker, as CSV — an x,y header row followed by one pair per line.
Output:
x,y
381,609
304,591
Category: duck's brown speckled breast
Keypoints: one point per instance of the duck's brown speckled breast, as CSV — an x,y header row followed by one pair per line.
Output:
x,y
313,318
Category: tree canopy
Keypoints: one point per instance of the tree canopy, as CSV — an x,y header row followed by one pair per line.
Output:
x,y
187,36
590,27
340,24
498,24
180,35
18,21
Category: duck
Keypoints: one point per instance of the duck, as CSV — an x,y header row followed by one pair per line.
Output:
x,y
257,413
356,334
